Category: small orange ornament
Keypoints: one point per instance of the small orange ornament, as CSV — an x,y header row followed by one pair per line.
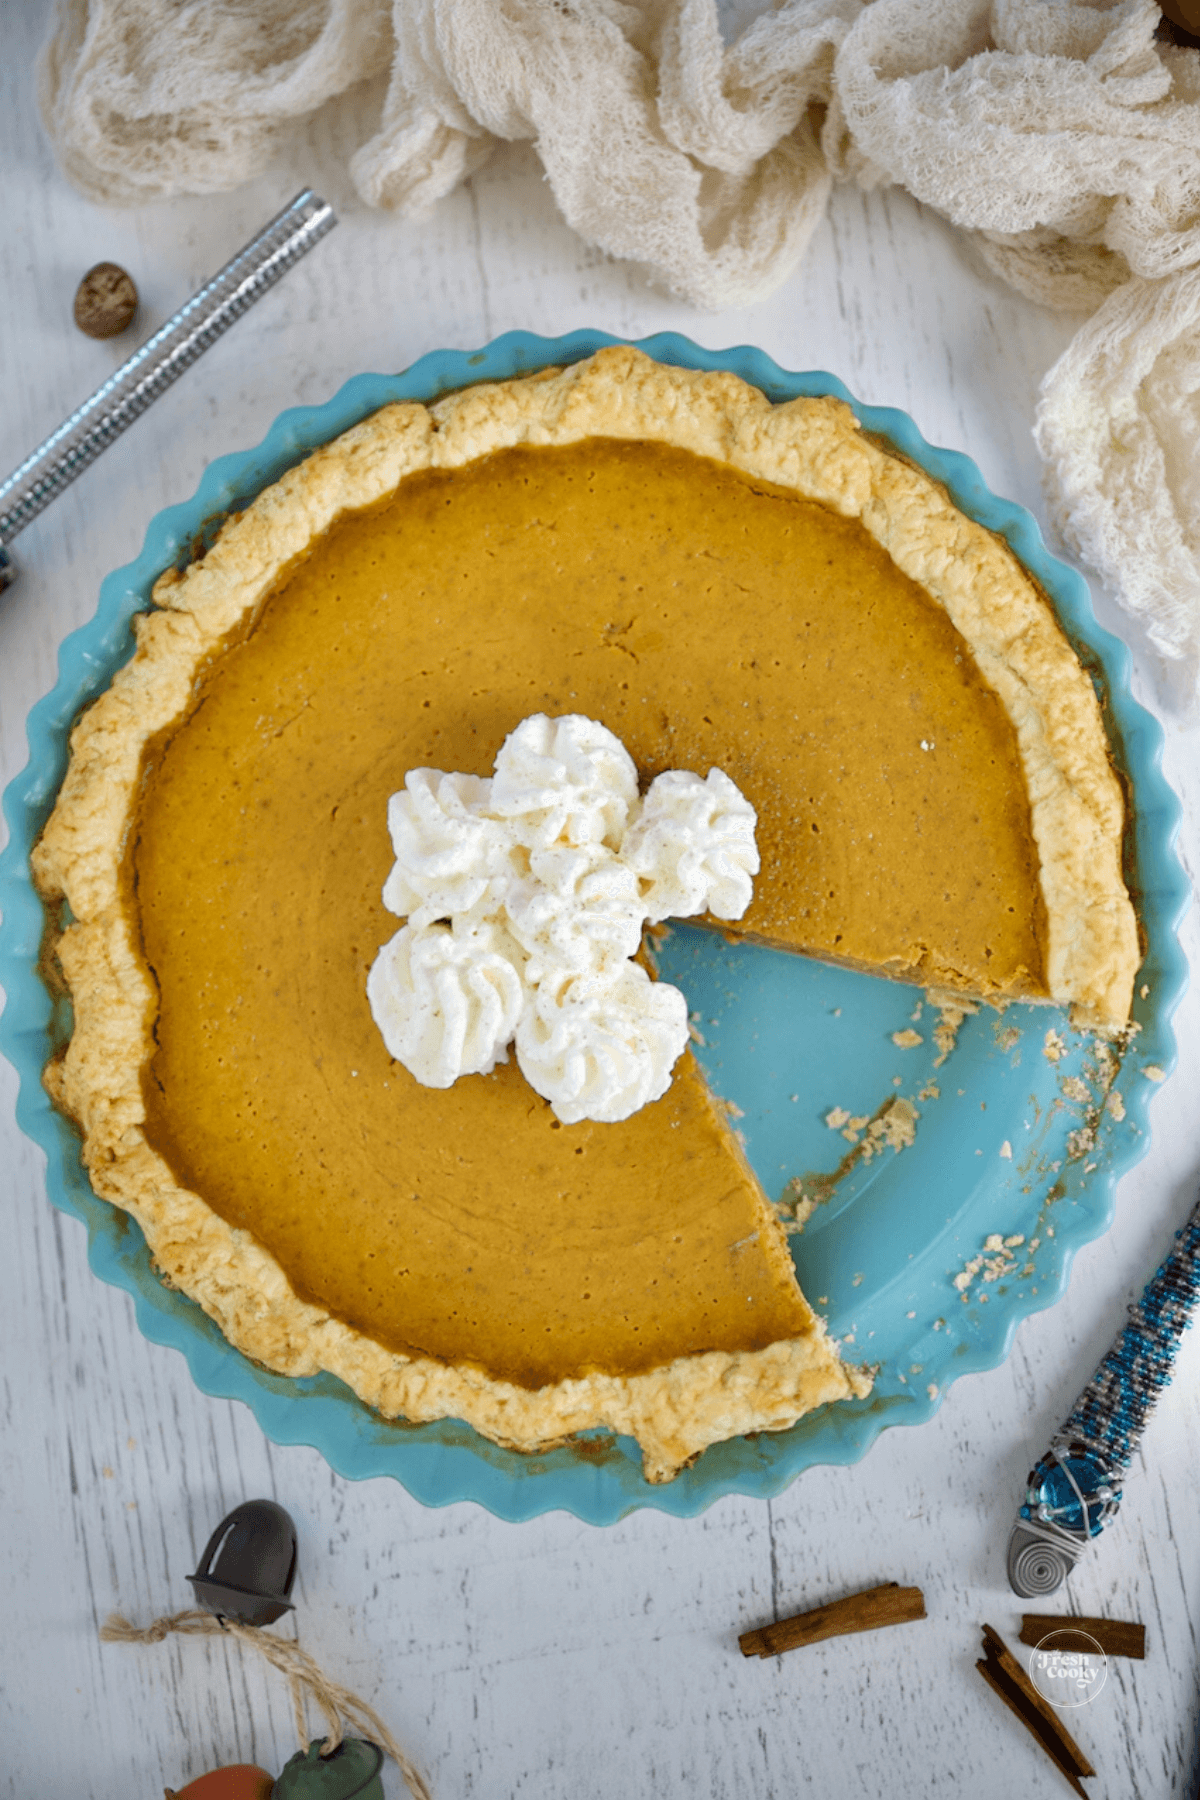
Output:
x,y
238,1781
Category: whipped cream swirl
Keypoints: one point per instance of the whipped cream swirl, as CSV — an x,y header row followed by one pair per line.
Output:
x,y
601,1044
693,842
447,1003
526,894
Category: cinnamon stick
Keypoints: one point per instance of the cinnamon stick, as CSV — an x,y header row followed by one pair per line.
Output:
x,y
1116,1637
868,1611
1005,1676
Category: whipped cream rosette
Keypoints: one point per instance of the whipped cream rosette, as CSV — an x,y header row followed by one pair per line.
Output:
x,y
447,1002
693,842
577,909
526,895
451,858
601,1044
567,780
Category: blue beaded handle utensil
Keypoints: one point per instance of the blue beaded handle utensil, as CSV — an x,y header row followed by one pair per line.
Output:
x,y
1074,1490
148,373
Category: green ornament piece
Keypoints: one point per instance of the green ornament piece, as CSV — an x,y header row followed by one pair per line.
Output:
x,y
350,1773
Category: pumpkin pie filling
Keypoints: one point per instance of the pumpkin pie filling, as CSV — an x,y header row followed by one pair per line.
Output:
x,y
705,618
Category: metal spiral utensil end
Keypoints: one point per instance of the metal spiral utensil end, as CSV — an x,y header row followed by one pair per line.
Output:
x,y
1040,1557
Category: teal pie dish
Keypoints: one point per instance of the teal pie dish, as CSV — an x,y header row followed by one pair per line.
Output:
x,y
923,1260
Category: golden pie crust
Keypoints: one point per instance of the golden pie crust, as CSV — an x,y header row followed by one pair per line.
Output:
x,y
811,448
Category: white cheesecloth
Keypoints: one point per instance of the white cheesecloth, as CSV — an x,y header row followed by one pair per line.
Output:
x,y
1063,137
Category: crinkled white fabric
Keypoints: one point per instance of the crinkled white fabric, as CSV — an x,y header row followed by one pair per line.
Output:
x,y
659,145
1119,428
1041,122
146,98
694,845
1035,120
1059,135
602,1044
527,892
623,101
447,1003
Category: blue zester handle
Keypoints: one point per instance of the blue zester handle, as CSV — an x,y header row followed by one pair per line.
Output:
x,y
1071,1494
1114,1406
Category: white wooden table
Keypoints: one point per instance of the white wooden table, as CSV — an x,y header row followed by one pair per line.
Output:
x,y
547,1659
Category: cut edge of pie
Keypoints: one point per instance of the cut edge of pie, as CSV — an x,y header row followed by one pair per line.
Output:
x,y
812,446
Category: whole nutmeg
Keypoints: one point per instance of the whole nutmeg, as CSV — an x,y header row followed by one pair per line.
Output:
x,y
105,301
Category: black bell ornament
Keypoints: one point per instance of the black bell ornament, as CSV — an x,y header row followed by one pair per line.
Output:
x,y
247,1571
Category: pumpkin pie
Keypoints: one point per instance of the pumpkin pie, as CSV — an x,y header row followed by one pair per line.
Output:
x,y
720,581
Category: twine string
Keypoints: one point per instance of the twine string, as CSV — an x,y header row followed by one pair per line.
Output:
x,y
306,1681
